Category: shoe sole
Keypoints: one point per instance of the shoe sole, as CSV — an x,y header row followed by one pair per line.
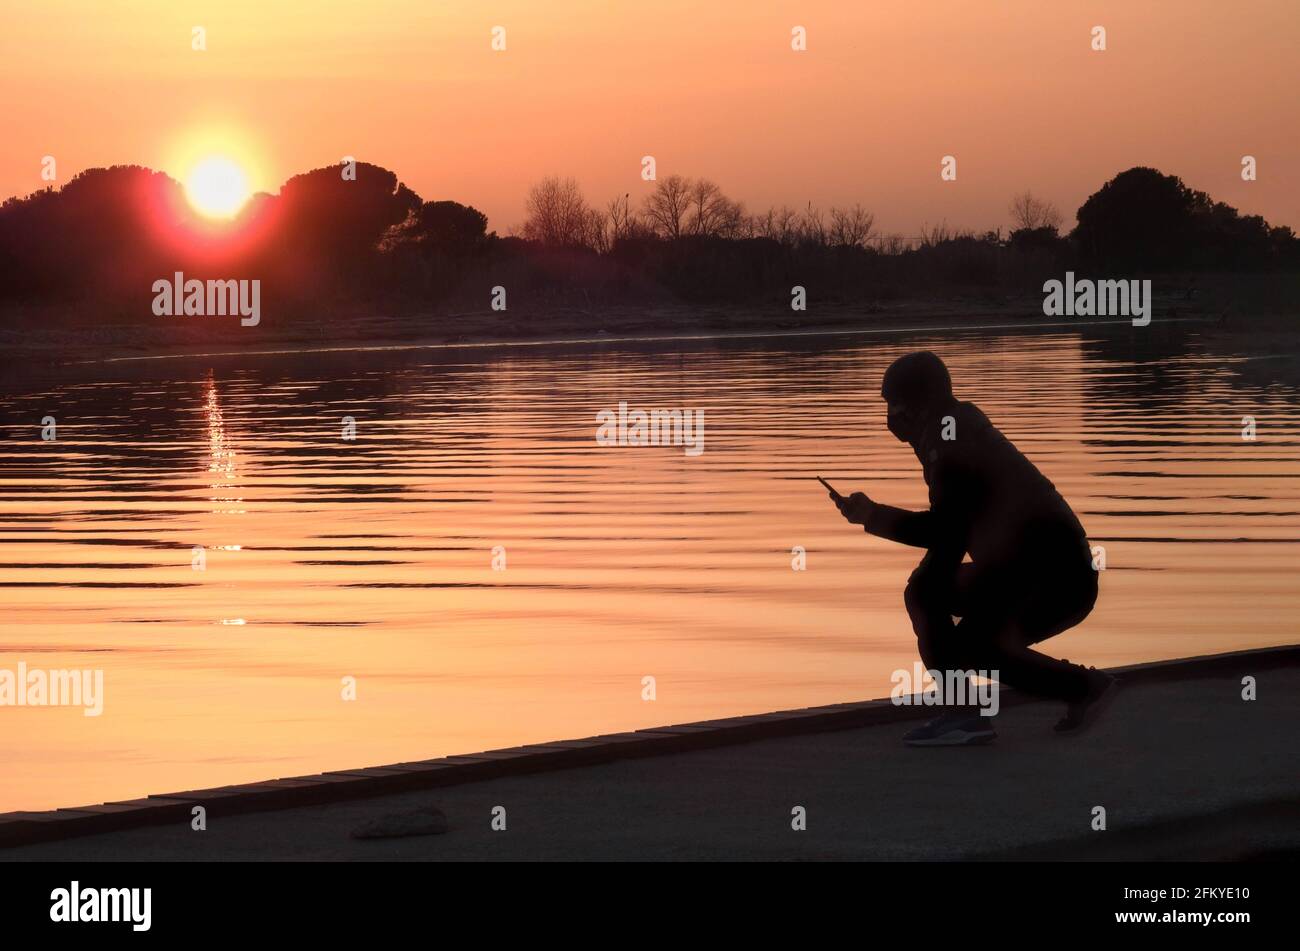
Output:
x,y
1095,709
955,738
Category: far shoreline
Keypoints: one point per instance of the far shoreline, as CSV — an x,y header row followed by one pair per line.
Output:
x,y
608,339
51,349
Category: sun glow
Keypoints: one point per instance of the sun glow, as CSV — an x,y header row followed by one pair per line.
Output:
x,y
217,187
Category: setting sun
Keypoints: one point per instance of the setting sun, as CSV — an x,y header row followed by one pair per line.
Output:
x,y
217,187
373,354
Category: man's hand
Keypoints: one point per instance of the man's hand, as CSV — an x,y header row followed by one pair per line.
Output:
x,y
855,509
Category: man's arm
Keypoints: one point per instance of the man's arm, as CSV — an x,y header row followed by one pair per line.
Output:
x,y
918,529
899,525
955,496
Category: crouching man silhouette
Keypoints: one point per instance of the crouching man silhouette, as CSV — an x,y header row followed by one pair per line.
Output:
x,y
1030,574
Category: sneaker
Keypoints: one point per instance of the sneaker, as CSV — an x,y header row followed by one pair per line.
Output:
x,y
954,728
1081,715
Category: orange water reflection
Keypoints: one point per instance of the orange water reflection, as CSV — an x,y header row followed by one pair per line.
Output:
x,y
372,558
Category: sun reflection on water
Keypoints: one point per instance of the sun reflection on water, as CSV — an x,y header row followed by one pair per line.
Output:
x,y
222,464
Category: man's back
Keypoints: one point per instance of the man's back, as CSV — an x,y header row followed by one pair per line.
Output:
x,y
988,498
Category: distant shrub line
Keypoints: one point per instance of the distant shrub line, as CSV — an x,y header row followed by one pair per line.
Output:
x,y
107,235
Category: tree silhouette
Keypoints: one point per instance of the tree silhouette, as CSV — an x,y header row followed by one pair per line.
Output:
x,y
710,213
668,205
558,216
1140,219
1143,219
95,246
443,227
330,226
851,227
1032,214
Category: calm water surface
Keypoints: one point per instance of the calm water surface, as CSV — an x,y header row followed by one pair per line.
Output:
x,y
372,558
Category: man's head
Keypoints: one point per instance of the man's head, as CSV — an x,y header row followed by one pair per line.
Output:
x,y
914,387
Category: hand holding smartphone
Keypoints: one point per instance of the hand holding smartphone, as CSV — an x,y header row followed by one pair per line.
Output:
x,y
829,488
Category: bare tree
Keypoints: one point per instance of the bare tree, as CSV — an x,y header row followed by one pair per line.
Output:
x,y
595,233
851,227
812,227
762,225
557,214
892,243
1033,213
787,226
934,235
711,213
618,212
731,223
668,205
779,224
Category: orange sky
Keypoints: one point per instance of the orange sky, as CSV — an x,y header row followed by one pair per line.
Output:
x,y
1009,87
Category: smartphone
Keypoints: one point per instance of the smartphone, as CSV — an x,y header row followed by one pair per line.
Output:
x,y
829,488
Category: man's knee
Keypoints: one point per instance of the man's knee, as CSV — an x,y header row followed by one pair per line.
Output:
x,y
926,593
1065,607
913,598
920,585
